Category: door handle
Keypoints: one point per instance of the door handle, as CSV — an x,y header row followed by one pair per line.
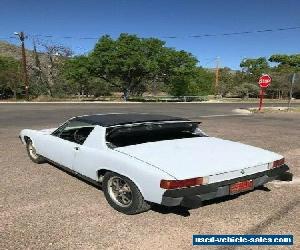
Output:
x,y
76,148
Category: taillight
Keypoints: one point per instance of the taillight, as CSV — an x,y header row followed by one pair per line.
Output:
x,y
277,163
173,184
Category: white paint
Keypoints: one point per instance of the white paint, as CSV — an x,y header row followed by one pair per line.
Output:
x,y
242,111
94,155
147,164
202,156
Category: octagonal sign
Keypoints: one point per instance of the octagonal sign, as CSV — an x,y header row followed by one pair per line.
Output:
x,y
265,81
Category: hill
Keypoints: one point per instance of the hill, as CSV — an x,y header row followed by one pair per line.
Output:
x,y
11,50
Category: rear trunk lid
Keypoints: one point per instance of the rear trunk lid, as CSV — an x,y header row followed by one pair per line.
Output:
x,y
202,156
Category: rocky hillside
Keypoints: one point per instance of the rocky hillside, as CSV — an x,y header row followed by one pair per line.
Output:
x,y
11,50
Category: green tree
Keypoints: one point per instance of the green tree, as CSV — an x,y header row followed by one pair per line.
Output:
x,y
181,71
10,76
286,66
286,62
255,67
76,71
201,82
247,90
130,64
226,81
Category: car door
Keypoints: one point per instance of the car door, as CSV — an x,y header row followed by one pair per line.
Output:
x,y
61,146
92,154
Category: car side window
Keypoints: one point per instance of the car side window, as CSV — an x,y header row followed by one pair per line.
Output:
x,y
74,131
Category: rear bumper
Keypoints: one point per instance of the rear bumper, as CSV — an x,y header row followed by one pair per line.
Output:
x,y
185,196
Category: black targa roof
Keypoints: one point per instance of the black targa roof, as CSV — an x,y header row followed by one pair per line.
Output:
x,y
107,120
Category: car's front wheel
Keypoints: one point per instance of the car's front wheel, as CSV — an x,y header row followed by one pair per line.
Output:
x,y
123,195
36,158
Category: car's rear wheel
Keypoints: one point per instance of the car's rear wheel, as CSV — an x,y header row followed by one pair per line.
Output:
x,y
36,158
123,195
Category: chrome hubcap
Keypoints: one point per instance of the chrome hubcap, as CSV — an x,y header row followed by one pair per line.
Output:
x,y
120,191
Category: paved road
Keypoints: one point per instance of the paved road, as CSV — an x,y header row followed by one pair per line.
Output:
x,y
42,207
31,114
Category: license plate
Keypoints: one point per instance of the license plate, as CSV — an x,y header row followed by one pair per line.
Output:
x,y
241,186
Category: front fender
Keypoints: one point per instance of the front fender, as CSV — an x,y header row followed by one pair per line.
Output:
x,y
30,133
34,135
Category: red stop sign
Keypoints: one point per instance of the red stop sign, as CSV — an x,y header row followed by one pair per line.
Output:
x,y
264,81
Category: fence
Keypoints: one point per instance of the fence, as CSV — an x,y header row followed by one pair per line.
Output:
x,y
169,98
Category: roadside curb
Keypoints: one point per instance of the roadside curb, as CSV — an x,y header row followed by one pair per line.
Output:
x,y
83,102
112,102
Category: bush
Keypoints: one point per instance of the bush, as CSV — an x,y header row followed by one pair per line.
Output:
x,y
247,90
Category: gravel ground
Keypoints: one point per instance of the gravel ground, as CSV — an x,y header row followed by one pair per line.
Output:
x,y
43,207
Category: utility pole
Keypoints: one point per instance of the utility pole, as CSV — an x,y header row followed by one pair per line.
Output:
x,y
291,91
21,36
217,76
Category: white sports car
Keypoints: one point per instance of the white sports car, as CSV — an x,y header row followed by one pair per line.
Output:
x,y
140,159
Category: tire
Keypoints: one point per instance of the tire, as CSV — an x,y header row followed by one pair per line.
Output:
x,y
128,199
36,158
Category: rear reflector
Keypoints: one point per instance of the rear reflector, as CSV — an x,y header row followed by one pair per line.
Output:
x,y
173,184
278,163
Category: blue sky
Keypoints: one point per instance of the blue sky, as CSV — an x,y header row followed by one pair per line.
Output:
x,y
146,18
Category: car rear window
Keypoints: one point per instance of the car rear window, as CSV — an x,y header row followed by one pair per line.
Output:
x,y
151,132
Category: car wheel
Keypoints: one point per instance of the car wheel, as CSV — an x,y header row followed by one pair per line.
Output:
x,y
36,158
123,195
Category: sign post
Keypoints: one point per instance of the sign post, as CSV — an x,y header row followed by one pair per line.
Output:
x,y
261,96
291,91
264,82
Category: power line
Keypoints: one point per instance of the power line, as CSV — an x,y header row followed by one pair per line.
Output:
x,y
238,33
66,37
173,37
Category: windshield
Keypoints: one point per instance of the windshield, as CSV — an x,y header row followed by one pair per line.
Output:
x,y
151,132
